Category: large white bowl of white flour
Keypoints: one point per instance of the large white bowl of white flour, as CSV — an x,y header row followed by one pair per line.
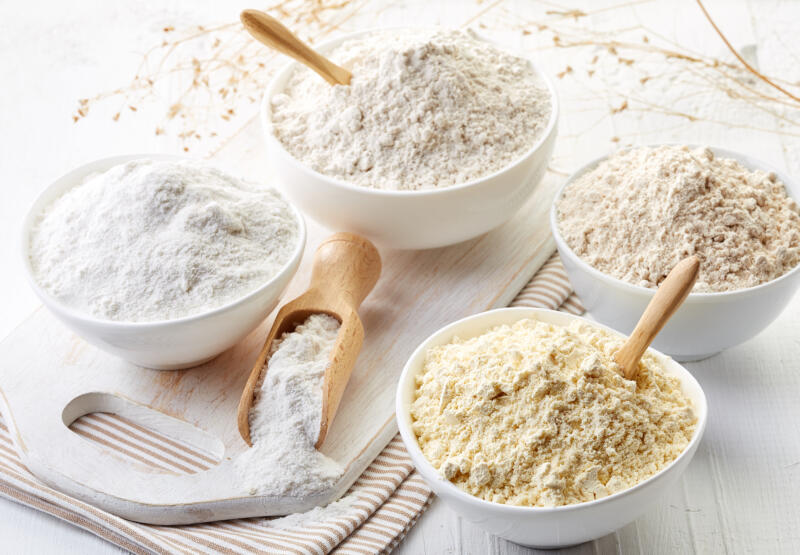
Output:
x,y
160,260
440,137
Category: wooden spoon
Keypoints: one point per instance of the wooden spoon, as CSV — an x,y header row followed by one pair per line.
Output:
x,y
346,268
271,32
669,296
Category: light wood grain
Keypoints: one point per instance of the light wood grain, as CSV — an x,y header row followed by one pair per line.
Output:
x,y
668,298
739,495
274,34
346,268
419,292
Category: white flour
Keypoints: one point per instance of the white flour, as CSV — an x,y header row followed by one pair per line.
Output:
x,y
154,240
286,413
424,109
343,508
642,211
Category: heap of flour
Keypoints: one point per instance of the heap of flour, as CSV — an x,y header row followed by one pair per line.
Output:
x,y
424,109
640,212
345,508
286,413
534,414
154,240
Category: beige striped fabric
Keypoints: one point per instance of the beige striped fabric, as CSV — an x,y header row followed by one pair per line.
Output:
x,y
380,507
139,444
385,501
550,288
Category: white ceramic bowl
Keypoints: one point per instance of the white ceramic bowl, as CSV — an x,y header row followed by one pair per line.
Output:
x,y
408,219
706,323
541,526
169,344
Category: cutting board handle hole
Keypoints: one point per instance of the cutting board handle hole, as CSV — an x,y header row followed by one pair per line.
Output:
x,y
142,435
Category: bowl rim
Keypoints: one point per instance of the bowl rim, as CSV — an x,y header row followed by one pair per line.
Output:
x,y
431,474
275,143
75,177
792,191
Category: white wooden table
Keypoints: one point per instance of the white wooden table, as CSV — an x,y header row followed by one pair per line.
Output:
x,y
742,491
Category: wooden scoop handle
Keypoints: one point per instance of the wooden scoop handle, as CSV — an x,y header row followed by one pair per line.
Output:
x,y
669,296
346,268
271,32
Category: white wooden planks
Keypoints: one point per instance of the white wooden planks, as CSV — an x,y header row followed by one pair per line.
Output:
x,y
742,491
759,511
419,291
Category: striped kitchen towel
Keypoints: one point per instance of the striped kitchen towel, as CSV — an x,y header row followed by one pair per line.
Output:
x,y
550,288
373,517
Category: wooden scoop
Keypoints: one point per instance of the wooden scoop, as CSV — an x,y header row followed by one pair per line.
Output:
x,y
669,296
346,268
271,32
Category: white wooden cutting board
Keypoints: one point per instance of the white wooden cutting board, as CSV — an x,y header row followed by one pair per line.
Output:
x,y
49,377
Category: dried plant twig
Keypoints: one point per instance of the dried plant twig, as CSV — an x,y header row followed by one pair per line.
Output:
x,y
750,68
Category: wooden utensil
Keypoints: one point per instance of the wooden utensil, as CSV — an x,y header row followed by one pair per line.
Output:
x,y
669,296
455,282
346,268
271,32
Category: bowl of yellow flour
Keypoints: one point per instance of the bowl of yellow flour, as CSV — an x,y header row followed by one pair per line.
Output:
x,y
521,421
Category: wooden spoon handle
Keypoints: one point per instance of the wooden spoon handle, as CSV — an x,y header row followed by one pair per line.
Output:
x,y
669,296
346,268
271,32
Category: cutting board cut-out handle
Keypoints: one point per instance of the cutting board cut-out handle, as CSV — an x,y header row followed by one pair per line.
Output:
x,y
145,417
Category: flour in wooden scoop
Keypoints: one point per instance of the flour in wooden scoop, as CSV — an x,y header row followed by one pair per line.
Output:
x,y
286,413
424,109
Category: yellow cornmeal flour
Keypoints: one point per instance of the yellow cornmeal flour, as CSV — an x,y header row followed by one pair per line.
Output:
x,y
535,414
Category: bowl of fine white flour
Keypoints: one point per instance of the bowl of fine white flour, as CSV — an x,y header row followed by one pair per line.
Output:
x,y
622,222
440,137
161,260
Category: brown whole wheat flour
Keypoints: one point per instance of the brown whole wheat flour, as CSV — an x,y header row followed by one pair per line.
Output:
x,y
424,109
534,414
641,211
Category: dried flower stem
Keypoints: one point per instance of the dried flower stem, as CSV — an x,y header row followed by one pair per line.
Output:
x,y
750,68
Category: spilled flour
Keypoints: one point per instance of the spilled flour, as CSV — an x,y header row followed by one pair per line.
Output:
x,y
346,507
286,413
640,212
424,109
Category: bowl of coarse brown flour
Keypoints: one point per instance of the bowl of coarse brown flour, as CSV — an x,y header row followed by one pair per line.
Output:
x,y
161,260
622,222
440,136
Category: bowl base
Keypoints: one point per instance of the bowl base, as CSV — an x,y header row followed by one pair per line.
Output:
x,y
693,358
549,547
177,366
